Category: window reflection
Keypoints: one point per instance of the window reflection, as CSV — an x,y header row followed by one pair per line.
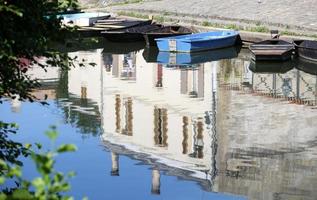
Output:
x,y
198,147
160,126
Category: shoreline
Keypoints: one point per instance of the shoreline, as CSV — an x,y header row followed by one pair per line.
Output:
x,y
251,30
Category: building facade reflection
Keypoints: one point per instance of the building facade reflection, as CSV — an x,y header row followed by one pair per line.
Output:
x,y
240,133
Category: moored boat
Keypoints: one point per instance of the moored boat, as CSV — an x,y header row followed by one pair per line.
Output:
x,y
198,41
166,31
274,50
119,24
307,66
306,49
83,19
131,34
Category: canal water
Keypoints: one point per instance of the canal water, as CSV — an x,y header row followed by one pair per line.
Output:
x,y
151,125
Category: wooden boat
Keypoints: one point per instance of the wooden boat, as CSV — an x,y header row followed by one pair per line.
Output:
x,y
306,49
132,34
271,66
190,58
274,49
121,25
166,31
307,66
113,24
83,19
198,41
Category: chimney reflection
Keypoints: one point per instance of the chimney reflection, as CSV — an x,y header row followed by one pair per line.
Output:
x,y
185,135
83,92
160,127
159,75
198,139
16,104
114,164
156,182
184,81
107,61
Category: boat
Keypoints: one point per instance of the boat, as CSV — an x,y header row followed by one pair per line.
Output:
x,y
131,34
109,25
306,49
166,31
307,66
272,50
120,25
117,48
82,19
190,58
271,67
198,41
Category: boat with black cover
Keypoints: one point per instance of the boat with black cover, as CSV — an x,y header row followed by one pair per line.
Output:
x,y
306,49
272,50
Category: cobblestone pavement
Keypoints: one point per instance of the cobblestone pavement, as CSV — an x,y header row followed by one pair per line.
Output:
x,y
292,14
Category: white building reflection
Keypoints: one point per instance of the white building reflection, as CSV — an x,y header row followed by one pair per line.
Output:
x,y
218,121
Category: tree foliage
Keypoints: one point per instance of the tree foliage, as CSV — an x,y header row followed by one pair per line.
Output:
x,y
28,28
51,185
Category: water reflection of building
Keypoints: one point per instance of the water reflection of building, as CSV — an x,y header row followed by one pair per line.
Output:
x,y
265,148
294,86
167,108
264,144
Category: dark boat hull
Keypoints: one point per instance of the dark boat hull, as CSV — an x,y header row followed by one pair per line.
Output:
x,y
271,67
167,31
306,49
124,37
132,34
150,38
272,50
307,66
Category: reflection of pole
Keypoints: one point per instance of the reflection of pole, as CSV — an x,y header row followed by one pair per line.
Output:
x,y
274,85
117,111
115,164
214,144
156,183
185,135
297,85
316,92
101,99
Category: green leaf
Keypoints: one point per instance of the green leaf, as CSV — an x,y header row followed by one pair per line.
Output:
x,y
52,134
28,146
2,180
66,148
22,194
3,196
38,145
38,183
